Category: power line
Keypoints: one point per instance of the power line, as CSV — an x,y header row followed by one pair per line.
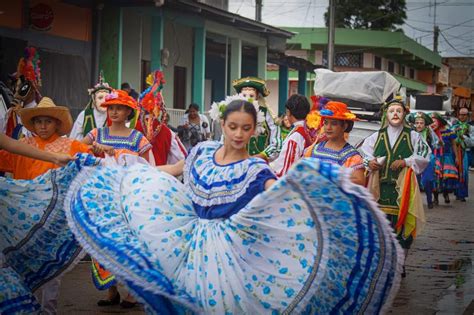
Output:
x,y
450,45
431,23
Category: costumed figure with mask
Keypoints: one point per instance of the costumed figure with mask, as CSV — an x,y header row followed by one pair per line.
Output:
x,y
94,115
394,156
428,179
166,146
268,144
26,94
446,158
464,141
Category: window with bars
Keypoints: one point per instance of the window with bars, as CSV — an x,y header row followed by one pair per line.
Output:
x,y
351,60
402,70
412,73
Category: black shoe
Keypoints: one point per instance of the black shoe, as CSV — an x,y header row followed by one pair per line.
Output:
x,y
128,304
446,198
435,200
462,199
114,301
430,206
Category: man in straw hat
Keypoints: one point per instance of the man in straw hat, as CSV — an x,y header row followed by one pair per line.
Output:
x,y
394,155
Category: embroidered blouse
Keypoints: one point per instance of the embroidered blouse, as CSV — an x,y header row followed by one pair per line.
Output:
x,y
348,156
219,191
135,143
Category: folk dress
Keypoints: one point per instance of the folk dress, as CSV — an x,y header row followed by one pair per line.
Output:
x,y
313,243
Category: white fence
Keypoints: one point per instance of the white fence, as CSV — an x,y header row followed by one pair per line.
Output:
x,y
176,114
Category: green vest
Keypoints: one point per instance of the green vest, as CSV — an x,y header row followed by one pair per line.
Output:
x,y
89,119
259,143
401,150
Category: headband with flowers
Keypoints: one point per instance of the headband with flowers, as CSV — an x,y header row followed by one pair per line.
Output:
x,y
218,109
100,86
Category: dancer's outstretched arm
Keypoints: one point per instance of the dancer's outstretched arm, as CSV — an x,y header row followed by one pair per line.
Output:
x,y
20,148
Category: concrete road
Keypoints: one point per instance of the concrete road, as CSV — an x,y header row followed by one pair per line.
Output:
x,y
440,274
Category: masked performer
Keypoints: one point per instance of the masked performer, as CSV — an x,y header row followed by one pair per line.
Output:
x,y
464,141
446,158
268,143
26,94
428,178
394,156
94,115
151,121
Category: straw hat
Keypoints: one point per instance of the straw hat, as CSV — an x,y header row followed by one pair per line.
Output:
x,y
46,107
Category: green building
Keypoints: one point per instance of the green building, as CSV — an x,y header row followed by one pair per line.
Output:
x,y
361,50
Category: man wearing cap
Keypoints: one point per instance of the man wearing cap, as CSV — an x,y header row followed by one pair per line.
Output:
x,y
393,156
464,141
268,144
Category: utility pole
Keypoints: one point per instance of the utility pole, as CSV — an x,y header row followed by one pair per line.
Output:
x,y
331,33
258,10
435,44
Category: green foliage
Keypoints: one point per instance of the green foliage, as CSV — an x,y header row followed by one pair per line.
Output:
x,y
386,15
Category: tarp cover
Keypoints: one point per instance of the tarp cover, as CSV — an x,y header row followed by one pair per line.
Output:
x,y
372,87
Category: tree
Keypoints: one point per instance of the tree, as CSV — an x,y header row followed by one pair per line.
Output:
x,y
387,15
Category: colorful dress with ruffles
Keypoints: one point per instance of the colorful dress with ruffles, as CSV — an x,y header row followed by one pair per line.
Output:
x,y
313,243
36,244
135,144
445,165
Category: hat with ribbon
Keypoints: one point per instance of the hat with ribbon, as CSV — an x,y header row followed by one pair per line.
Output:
x,y
46,107
252,82
120,97
337,110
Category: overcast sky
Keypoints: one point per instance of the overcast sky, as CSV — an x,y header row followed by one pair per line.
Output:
x,y
455,19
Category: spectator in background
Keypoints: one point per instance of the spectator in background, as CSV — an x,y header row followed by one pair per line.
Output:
x,y
128,88
166,120
193,127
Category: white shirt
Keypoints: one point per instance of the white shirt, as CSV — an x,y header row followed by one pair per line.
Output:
x,y
418,161
77,132
291,151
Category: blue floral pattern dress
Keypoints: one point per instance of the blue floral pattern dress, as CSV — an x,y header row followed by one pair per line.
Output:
x,y
36,244
313,243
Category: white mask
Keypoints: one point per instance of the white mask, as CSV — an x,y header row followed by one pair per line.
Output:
x,y
395,115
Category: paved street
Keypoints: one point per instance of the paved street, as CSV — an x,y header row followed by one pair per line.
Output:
x,y
440,271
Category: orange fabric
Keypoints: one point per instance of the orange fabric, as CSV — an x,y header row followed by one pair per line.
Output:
x,y
27,168
353,161
405,200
